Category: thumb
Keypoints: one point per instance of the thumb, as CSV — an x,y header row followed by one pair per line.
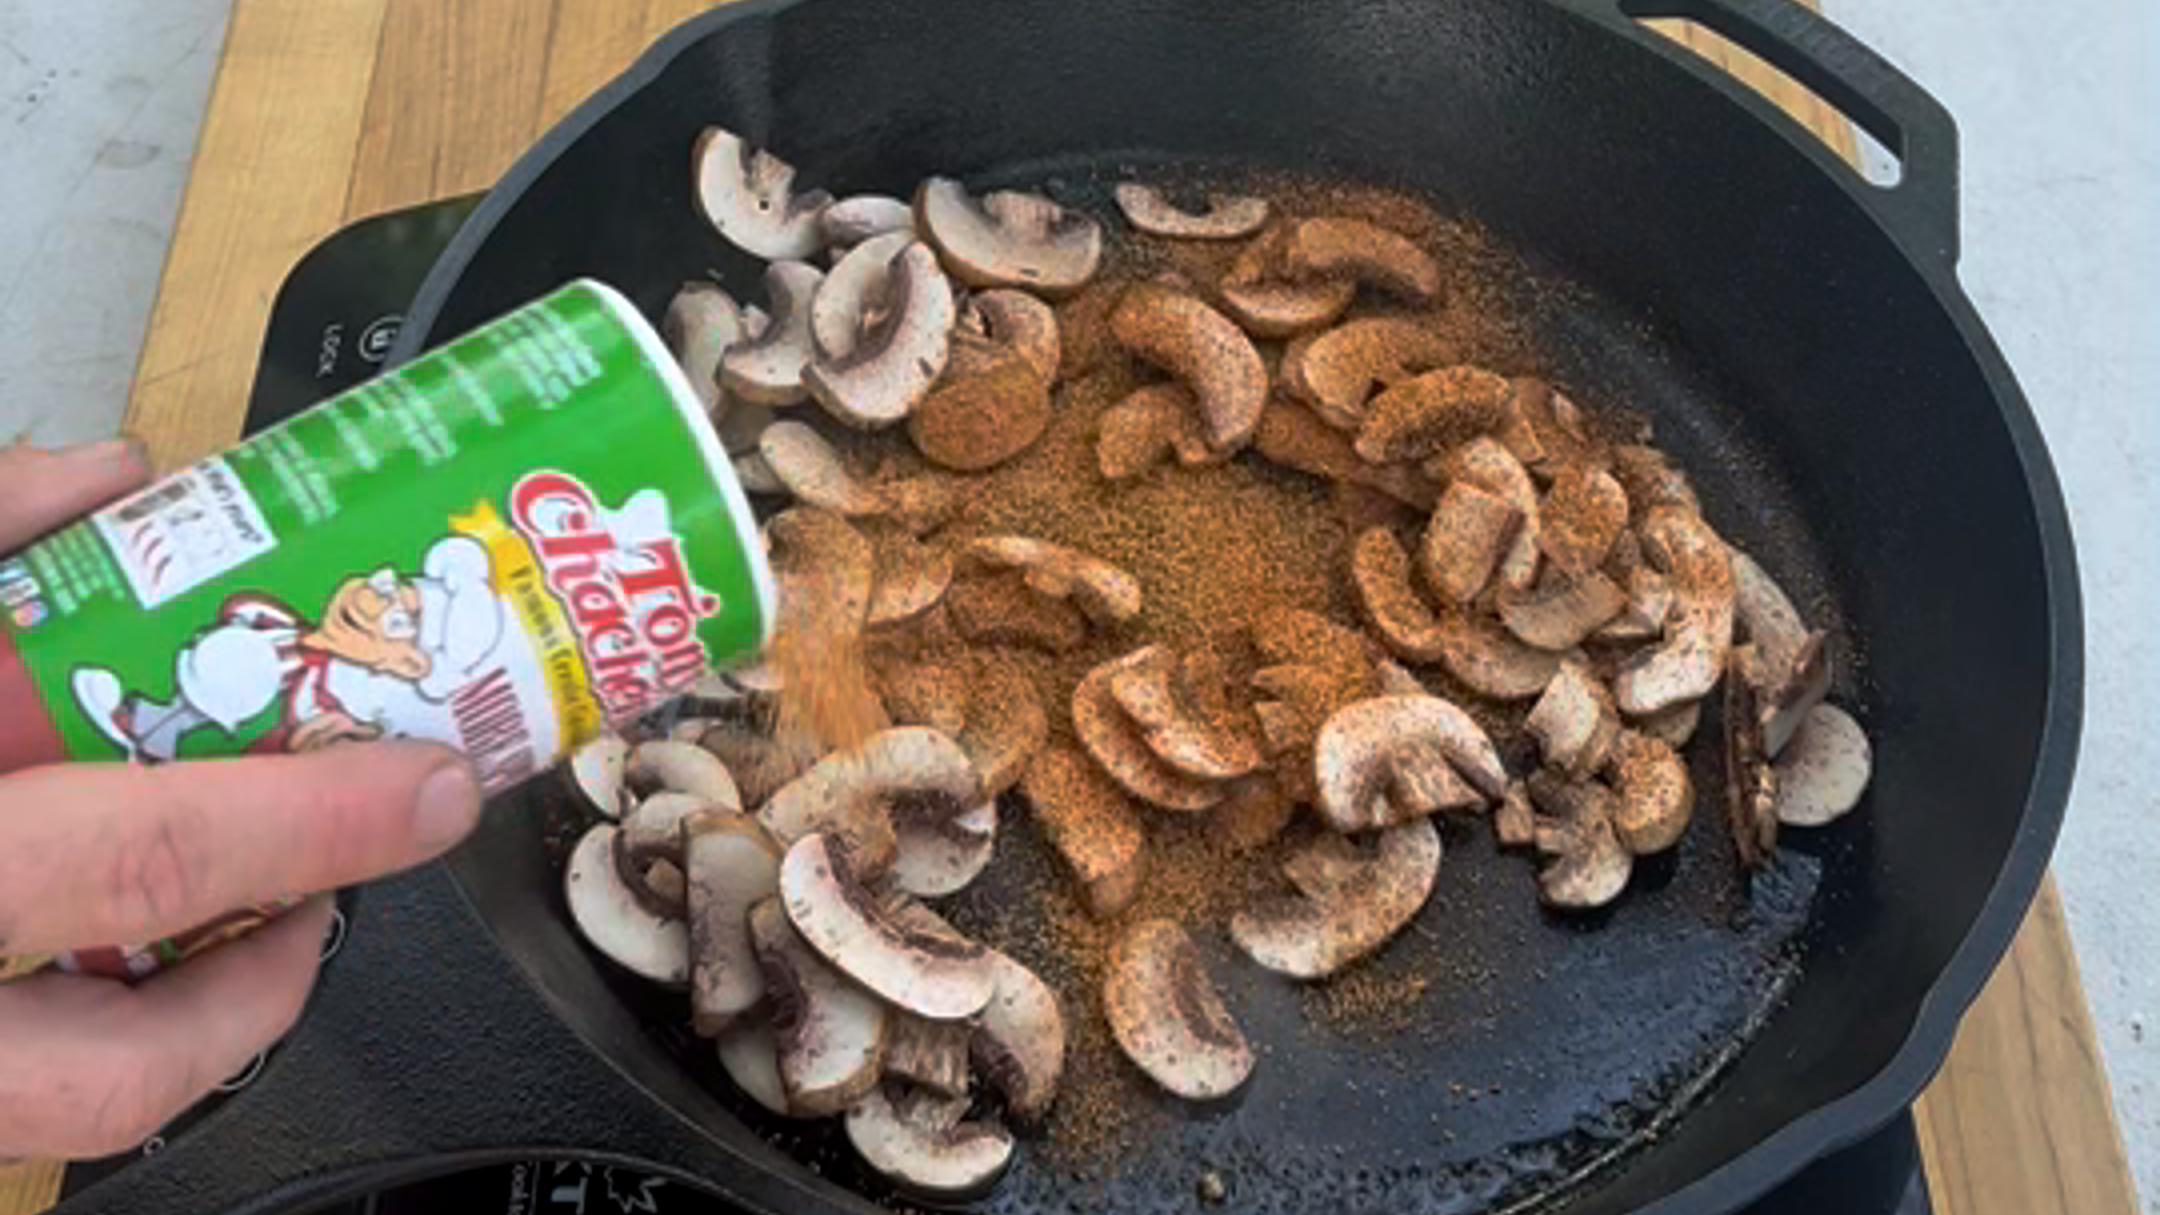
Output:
x,y
100,854
40,490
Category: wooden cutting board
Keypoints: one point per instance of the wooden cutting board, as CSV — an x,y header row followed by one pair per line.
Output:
x,y
327,111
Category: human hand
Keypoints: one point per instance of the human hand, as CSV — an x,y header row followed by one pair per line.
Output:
x,y
101,854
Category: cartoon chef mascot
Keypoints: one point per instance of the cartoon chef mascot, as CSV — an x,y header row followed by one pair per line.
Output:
x,y
383,659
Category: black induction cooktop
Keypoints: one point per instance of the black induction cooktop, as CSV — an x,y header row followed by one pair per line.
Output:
x,y
331,327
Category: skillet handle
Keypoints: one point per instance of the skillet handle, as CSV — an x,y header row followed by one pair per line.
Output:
x,y
1922,206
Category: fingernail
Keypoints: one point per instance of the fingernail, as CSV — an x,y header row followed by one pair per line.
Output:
x,y
449,806
125,450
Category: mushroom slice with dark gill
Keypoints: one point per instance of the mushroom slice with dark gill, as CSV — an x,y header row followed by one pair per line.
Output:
x,y
1389,759
1485,657
929,1054
1574,722
1152,423
1019,1040
1822,774
898,357
1266,304
615,921
1488,464
1168,1018
1791,665
854,293
1751,783
701,324
1313,935
668,764
1010,322
1091,823
1591,866
1179,729
916,1140
849,793
831,1034
1653,797
748,196
732,864
1562,609
1338,248
1337,372
942,852
933,975
1698,631
1008,239
648,848
1227,217
1184,336
768,369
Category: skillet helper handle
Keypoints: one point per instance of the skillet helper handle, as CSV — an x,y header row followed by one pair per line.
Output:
x,y
1921,208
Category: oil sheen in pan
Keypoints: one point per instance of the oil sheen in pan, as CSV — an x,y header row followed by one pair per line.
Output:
x,y
1538,1049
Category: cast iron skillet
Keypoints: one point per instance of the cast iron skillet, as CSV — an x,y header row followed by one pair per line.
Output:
x,y
1801,341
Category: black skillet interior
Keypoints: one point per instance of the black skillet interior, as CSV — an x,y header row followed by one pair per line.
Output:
x,y
1801,345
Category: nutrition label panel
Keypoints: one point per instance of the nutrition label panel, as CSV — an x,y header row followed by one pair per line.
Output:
x,y
188,529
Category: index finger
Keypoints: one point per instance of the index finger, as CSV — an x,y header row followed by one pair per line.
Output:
x,y
40,490
102,854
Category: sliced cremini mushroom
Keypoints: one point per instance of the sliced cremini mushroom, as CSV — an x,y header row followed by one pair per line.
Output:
x,y
924,693
1257,809
849,793
931,975
1389,759
813,471
1480,654
929,1054
1583,514
1823,773
940,851
980,419
1007,724
1562,609
1654,799
1293,436
750,1054
1338,371
1651,480
1514,820
1008,239
1107,594
899,357
1791,666
1181,334
1147,427
1339,248
1122,750
1268,305
1487,463
748,196
831,1034
702,322
1003,610
1014,322
684,768
761,763
1751,783
768,369
854,293
922,502
1574,722
1673,726
1766,614
1544,429
649,850
1591,867
743,424
1466,537
756,476
615,921
595,770
1426,413
732,863
850,221
1314,935
1698,632
1227,217
1019,1040
910,578
916,1140
1168,1018
1091,824
1649,601
1178,727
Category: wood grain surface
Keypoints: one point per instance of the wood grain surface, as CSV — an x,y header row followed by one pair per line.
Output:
x,y
326,111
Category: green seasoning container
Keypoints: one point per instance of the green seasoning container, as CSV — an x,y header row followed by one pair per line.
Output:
x,y
504,546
